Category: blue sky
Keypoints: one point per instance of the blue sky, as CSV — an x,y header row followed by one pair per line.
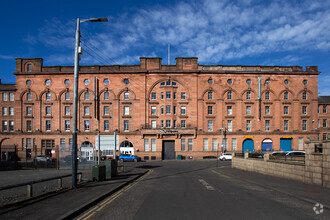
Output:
x,y
239,32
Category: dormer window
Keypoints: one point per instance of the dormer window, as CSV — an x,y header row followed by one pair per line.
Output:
x,y
29,68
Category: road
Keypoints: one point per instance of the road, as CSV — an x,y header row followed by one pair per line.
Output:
x,y
198,190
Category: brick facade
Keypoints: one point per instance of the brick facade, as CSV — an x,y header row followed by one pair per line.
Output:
x,y
187,103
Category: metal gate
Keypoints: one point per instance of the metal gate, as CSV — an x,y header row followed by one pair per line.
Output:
x,y
168,152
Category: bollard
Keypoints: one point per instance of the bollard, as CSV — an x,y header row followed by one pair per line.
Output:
x,y
29,191
79,177
60,183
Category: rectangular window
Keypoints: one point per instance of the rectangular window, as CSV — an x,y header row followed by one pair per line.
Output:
x,y
62,144
11,125
126,125
168,95
286,125
304,96
210,125
324,136
4,126
23,143
234,144
4,96
28,143
325,123
48,96
248,110
4,111
286,110
267,110
48,123
229,110
183,96
229,96
146,145
11,110
248,125
153,110
86,125
29,110
48,110
304,125
28,125
67,110
174,110
106,96
210,95
183,144
161,123
267,125
301,144
324,109
248,95
267,96
205,144
168,123
319,109
67,125
214,144
304,110
67,96
126,96
168,109
210,110
153,96
29,96
106,125
153,144
174,95
318,123
161,95
106,110
161,110
230,125
286,96
190,144
11,96
153,124
126,110
86,110
183,123
183,110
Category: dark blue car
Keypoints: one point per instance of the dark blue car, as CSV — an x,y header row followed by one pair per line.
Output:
x,y
128,157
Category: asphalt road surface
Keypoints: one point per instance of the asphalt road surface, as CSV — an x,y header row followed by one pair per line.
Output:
x,y
198,190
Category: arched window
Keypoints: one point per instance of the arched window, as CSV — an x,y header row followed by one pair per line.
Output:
x,y
106,96
86,96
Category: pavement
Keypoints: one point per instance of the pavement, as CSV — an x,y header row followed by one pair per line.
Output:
x,y
69,203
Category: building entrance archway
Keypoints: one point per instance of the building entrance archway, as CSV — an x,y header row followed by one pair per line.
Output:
x,y
267,144
248,145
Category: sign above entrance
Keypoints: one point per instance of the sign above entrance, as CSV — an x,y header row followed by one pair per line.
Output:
x,y
286,137
248,136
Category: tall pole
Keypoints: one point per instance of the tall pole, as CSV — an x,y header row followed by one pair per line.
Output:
x,y
75,107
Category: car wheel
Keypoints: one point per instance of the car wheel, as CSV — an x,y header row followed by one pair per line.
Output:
x,y
121,160
224,159
135,160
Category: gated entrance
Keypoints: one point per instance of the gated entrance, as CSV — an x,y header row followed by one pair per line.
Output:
x,y
168,152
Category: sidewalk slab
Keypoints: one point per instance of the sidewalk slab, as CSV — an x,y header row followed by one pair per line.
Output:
x,y
69,203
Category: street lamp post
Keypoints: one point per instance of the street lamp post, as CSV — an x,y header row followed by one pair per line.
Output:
x,y
75,96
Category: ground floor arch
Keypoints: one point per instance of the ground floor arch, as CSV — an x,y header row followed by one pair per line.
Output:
x,y
248,144
126,147
86,149
267,145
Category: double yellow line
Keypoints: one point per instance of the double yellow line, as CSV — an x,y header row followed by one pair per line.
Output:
x,y
106,202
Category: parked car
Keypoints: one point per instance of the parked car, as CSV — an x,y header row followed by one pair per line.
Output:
x,y
295,153
128,157
43,158
225,156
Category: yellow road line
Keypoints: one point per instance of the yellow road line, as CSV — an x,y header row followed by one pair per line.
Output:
x,y
106,202
220,174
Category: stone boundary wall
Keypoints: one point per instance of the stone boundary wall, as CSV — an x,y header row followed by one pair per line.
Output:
x,y
316,169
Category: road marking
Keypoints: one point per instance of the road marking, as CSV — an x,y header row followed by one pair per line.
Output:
x,y
207,186
220,174
106,202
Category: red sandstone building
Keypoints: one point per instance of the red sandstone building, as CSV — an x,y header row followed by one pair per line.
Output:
x,y
162,111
